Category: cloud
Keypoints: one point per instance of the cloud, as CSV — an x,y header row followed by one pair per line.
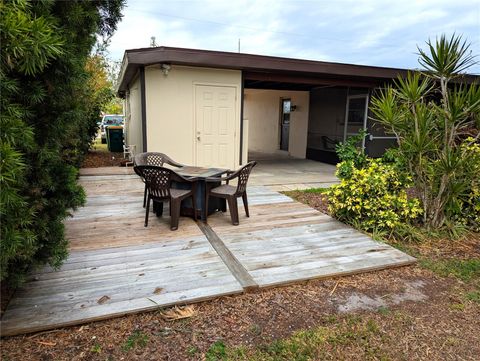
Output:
x,y
370,32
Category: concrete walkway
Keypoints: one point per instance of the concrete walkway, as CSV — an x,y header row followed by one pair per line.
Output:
x,y
283,173
278,172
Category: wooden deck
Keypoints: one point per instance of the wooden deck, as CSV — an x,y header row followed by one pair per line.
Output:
x,y
113,217
117,266
289,242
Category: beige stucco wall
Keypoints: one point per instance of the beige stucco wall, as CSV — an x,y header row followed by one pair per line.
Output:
x,y
170,108
262,109
133,118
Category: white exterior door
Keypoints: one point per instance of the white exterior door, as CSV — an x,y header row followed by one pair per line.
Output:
x,y
215,120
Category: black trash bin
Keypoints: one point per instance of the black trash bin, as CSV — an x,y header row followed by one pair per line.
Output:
x,y
115,138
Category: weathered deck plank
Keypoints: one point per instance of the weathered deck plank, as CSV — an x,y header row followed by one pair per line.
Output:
x,y
95,172
32,322
114,217
287,242
237,269
71,295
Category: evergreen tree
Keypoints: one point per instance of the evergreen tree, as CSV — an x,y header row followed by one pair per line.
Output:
x,y
48,115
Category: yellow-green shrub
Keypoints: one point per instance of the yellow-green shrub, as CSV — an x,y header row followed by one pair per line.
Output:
x,y
373,197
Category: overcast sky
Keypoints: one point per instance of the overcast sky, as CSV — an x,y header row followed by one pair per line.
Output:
x,y
369,32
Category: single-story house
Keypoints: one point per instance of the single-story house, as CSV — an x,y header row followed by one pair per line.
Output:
x,y
210,108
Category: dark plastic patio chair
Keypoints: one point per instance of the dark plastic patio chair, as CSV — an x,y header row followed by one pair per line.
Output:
x,y
230,192
158,181
156,159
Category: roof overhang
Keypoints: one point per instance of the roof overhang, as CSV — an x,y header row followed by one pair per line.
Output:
x,y
258,68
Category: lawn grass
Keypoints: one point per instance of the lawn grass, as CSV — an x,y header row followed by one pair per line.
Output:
x,y
136,339
473,296
315,190
466,270
98,146
313,344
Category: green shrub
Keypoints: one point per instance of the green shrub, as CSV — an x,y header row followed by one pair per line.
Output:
x,y
465,207
351,155
373,197
48,113
435,116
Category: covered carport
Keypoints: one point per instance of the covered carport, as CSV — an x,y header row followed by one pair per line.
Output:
x,y
305,115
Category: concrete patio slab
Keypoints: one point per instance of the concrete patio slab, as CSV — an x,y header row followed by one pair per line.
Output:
x,y
277,171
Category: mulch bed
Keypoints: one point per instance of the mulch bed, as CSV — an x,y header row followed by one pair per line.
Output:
x,y
318,201
101,158
443,325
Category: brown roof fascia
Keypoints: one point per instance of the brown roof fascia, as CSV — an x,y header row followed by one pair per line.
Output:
x,y
241,61
249,62
312,80
244,61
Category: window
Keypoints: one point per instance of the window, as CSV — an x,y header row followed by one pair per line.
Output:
x,y
356,110
356,115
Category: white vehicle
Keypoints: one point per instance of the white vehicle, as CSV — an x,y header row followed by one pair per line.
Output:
x,y
107,120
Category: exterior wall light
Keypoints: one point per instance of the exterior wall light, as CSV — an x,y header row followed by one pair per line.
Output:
x,y
293,108
165,68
